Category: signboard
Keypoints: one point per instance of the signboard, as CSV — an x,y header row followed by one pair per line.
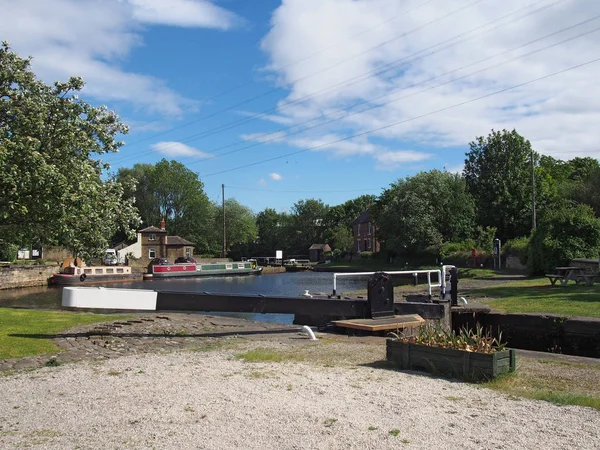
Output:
x,y
278,254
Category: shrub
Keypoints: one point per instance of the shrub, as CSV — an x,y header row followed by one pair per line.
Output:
x,y
8,251
336,254
563,235
477,340
451,248
517,247
366,255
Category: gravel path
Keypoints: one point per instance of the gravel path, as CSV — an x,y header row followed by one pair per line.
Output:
x,y
212,400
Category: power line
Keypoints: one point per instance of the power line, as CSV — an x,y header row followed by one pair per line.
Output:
x,y
366,75
301,191
270,91
406,120
277,137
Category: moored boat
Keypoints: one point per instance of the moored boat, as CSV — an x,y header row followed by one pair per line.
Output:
x,y
92,274
203,269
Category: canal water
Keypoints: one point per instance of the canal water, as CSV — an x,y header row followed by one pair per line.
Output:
x,y
289,284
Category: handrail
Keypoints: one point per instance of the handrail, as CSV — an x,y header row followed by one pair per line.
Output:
x,y
441,277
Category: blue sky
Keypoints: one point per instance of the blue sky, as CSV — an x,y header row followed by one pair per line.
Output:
x,y
330,99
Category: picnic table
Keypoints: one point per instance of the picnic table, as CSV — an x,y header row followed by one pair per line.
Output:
x,y
569,273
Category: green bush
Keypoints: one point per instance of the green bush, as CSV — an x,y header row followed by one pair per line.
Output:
x,y
8,251
517,247
563,235
451,248
484,238
366,255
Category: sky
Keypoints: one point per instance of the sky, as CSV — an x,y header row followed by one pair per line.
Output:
x,y
329,99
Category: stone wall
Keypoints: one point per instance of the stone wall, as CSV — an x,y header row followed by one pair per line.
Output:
x,y
541,332
25,276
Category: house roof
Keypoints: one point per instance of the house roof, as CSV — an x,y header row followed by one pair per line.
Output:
x,y
365,217
176,240
319,246
152,229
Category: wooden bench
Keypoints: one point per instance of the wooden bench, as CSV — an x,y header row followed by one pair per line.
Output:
x,y
576,274
554,277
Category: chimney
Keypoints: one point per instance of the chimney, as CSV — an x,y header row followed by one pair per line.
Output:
x,y
162,224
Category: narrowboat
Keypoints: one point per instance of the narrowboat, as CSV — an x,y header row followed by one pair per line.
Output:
x,y
225,269
92,274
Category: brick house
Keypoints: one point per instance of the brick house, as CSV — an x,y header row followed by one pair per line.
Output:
x,y
364,231
156,243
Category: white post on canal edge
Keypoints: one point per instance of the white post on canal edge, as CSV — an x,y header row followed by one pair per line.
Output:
x,y
108,298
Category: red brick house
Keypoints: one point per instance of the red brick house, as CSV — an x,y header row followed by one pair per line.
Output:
x,y
364,232
157,244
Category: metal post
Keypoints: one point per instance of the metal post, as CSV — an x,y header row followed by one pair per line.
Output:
x,y
454,286
533,191
224,232
429,284
334,283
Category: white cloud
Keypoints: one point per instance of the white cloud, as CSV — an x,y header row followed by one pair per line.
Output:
x,y
183,13
90,38
262,182
327,73
173,149
275,176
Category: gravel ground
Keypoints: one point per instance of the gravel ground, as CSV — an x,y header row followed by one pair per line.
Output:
x,y
212,400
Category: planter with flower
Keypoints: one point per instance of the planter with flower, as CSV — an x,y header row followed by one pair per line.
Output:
x,y
470,354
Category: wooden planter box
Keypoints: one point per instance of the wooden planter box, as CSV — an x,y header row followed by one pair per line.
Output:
x,y
455,363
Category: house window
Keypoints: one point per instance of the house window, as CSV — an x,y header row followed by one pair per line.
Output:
x,y
366,244
357,246
358,229
151,253
369,244
188,252
369,228
151,237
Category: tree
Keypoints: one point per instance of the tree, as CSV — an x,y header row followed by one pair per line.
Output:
x,y
306,225
424,210
342,239
168,190
498,175
51,187
240,225
564,234
270,226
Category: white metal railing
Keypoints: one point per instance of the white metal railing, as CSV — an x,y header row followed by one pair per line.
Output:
x,y
441,277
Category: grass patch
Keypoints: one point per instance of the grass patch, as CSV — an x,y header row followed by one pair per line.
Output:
x,y
395,432
28,332
537,295
554,389
261,355
329,422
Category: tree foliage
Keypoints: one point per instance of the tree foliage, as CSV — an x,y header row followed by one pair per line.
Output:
x,y
425,210
168,190
270,232
51,187
498,176
306,225
564,234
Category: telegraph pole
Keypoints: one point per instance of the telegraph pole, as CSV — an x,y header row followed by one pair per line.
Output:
x,y
224,233
533,191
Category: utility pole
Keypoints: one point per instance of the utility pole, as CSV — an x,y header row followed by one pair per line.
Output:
x,y
533,191
224,233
